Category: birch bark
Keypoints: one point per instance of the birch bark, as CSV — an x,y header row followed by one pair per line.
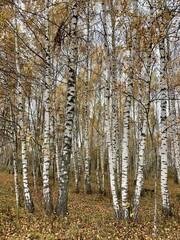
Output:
x,y
86,115
62,201
112,164
15,157
141,162
22,130
163,150
48,204
75,154
174,136
125,140
114,120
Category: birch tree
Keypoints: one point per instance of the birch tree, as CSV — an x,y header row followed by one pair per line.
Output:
x,y
62,201
174,136
125,138
86,115
108,110
163,149
48,205
146,104
22,130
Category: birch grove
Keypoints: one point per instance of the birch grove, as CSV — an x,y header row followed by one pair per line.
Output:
x,y
89,101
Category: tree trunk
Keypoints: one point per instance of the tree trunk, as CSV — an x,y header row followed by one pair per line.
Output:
x,y
163,151
48,204
108,111
62,202
22,131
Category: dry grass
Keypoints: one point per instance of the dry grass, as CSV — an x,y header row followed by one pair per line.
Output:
x,y
90,217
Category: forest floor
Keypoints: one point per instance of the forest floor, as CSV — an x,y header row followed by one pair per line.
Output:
x,y
90,216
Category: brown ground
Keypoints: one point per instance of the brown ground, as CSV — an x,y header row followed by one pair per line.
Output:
x,y
90,217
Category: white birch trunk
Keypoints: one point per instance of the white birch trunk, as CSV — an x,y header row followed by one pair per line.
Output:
x,y
138,131
98,160
112,165
22,132
15,158
48,205
125,143
174,137
57,146
163,151
125,159
114,100
110,156
62,202
86,145
86,115
140,177
16,183
142,140
75,155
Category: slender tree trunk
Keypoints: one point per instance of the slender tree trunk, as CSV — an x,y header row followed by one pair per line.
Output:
x,y
75,155
125,143
15,159
48,204
114,119
112,164
125,159
163,151
174,137
140,177
57,124
22,131
138,133
86,115
98,151
62,202
100,158
142,140
16,183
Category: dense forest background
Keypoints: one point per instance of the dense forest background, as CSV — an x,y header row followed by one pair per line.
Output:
x,y
90,105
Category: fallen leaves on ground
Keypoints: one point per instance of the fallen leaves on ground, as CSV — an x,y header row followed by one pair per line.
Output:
x,y
90,217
